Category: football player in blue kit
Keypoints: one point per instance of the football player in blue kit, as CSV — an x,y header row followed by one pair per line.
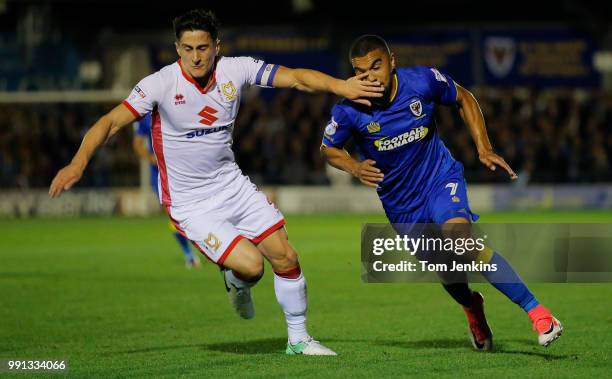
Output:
x,y
415,175
143,147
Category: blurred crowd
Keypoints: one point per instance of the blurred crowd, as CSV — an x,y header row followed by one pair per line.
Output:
x,y
36,140
560,137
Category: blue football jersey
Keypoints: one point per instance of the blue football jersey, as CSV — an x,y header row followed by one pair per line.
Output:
x,y
142,128
402,137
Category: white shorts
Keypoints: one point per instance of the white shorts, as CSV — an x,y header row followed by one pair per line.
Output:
x,y
215,225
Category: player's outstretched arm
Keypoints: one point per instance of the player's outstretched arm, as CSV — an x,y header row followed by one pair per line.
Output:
x,y
472,115
365,171
99,133
355,88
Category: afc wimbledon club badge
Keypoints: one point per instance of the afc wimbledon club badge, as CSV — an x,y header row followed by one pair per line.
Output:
x,y
500,53
416,108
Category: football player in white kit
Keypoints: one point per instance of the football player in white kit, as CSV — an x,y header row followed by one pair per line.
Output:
x,y
194,103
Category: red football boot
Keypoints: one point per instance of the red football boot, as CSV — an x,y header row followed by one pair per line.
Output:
x,y
480,333
548,327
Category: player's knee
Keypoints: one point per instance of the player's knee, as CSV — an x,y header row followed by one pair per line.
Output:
x,y
285,260
252,271
248,264
457,227
459,230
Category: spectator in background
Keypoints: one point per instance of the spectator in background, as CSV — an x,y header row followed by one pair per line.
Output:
x,y
549,136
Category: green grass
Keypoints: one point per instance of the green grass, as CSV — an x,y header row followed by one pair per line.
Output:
x,y
111,297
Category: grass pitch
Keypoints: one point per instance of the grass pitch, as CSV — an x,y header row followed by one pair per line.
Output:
x,y
112,298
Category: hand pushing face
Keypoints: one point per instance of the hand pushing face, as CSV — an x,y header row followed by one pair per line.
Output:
x,y
376,67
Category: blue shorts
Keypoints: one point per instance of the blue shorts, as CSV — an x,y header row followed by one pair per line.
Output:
x,y
444,200
447,198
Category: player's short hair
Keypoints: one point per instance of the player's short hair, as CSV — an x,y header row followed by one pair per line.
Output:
x,y
196,19
366,43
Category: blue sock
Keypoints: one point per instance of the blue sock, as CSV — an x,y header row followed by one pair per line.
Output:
x,y
510,284
184,242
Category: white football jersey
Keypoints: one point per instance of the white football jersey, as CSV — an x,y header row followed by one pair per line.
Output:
x,y
192,126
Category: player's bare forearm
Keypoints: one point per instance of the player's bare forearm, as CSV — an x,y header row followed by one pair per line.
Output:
x,y
354,88
309,80
472,116
106,127
365,171
95,136
98,134
340,159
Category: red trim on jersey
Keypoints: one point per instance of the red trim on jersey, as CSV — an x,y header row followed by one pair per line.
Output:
x,y
229,249
158,148
211,80
131,108
268,231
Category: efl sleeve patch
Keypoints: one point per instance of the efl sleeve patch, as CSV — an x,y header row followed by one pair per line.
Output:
x,y
145,95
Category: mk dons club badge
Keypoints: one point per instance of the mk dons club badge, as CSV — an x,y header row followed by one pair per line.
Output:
x,y
229,90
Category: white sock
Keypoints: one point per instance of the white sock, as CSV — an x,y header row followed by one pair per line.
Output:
x,y
291,295
236,281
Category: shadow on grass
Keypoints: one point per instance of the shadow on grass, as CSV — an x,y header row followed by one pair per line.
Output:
x,y
460,343
277,346
260,346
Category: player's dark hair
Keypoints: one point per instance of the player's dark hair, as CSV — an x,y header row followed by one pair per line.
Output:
x,y
196,19
366,43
